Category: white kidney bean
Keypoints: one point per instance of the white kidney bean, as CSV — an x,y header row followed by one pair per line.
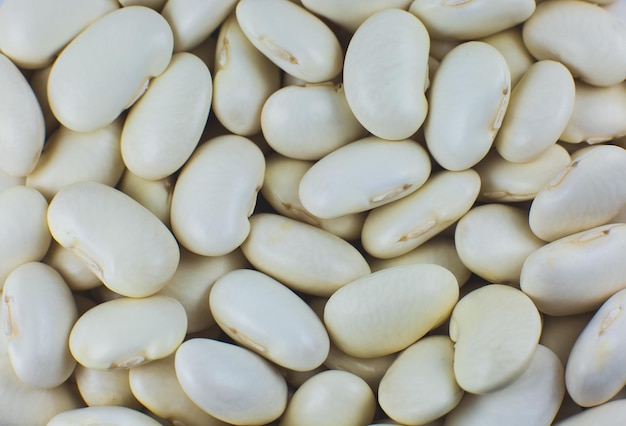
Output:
x,y
293,38
105,387
124,244
155,385
532,399
595,371
588,192
230,383
610,414
511,46
102,415
22,127
362,175
496,330
281,190
557,276
192,22
192,283
371,370
331,397
397,228
466,19
539,111
389,310
439,250
89,67
71,157
38,313
282,247
32,33
21,404
584,37
155,141
494,240
309,122
127,332
597,114
388,100
263,315
241,73
420,385
468,98
215,194
25,235
503,181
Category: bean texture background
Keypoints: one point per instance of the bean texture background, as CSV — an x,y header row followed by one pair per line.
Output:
x,y
312,212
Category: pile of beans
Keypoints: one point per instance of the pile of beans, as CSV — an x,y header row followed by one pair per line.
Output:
x,y
326,212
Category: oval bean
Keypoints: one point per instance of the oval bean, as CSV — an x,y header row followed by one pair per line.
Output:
x,y
388,99
230,383
389,310
127,332
123,243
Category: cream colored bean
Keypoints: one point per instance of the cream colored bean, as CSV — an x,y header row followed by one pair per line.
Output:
x,y
263,315
350,14
74,271
156,141
595,368
539,111
244,79
89,67
496,330
39,84
293,38
38,313
102,415
282,247
71,157
309,122
420,386
399,227
105,387
24,235
362,175
609,414
463,19
533,399
32,33
389,310
127,332
281,190
155,195
503,181
388,99
560,333
439,250
597,114
494,240
230,383
215,194
155,385
584,37
192,22
331,398
589,192
22,127
468,98
371,370
21,404
192,283
124,244
511,46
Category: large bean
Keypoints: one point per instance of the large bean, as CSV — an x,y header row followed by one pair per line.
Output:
x,y
387,95
123,243
109,63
